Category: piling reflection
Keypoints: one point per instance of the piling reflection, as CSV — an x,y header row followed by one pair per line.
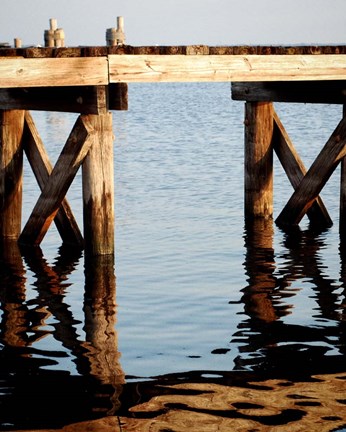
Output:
x,y
273,343
35,392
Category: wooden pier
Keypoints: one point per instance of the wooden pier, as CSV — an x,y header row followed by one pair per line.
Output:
x,y
92,81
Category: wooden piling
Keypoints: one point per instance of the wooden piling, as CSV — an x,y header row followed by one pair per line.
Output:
x,y
11,172
258,159
98,188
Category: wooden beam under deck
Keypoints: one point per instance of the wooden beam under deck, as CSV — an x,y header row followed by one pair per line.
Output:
x,y
323,92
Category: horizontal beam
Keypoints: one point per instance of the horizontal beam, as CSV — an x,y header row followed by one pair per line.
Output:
x,y
52,72
223,68
328,92
76,99
126,68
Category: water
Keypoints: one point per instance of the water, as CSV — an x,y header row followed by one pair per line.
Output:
x,y
201,322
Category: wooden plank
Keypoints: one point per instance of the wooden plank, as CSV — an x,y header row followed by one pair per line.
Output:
x,y
51,72
329,92
42,168
220,68
258,159
54,191
295,170
316,177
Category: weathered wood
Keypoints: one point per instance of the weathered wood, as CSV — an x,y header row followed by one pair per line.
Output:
x,y
258,159
54,191
50,72
11,172
295,170
316,177
31,52
66,70
98,188
42,168
81,99
219,68
118,97
329,92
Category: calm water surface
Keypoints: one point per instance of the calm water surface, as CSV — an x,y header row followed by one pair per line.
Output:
x,y
201,322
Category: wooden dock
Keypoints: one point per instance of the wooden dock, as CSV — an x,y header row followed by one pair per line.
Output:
x,y
92,81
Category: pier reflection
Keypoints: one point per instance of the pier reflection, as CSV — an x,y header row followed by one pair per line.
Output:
x,y
273,342
35,392
286,376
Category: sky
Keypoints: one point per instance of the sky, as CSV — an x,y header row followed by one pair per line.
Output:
x,y
178,22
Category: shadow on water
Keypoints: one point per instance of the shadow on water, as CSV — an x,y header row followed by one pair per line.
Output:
x,y
285,373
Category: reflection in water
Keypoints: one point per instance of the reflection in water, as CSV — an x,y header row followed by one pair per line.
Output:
x,y
282,376
285,373
32,393
272,343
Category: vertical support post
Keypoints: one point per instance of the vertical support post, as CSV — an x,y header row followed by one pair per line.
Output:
x,y
98,188
342,214
11,172
259,125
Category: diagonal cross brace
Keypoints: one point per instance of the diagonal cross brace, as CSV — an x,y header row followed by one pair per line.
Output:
x,y
316,177
56,186
295,171
42,168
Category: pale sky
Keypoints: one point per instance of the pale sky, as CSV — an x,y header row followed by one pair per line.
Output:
x,y
178,22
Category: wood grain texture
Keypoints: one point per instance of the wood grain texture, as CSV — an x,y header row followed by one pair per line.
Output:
x,y
50,72
221,68
258,176
11,172
98,188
